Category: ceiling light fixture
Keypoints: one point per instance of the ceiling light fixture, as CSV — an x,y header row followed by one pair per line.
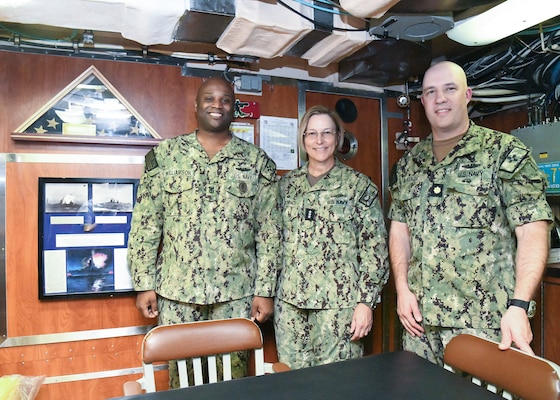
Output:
x,y
503,20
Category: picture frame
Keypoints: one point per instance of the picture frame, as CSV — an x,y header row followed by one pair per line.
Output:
x,y
83,236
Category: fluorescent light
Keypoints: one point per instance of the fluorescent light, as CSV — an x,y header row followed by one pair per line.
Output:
x,y
503,20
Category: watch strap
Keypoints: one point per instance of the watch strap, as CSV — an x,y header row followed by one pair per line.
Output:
x,y
530,307
519,303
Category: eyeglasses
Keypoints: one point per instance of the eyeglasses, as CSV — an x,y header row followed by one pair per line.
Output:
x,y
327,133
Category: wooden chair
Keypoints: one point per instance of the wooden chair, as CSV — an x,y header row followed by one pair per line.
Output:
x,y
198,340
511,373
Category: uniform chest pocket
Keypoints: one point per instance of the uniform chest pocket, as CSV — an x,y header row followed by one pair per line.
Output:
x,y
291,212
239,198
178,194
292,217
242,188
338,213
409,195
469,204
335,223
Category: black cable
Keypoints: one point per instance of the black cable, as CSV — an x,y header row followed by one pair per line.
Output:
x,y
327,27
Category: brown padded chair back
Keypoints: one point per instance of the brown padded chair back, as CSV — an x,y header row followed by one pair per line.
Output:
x,y
521,374
196,340
167,342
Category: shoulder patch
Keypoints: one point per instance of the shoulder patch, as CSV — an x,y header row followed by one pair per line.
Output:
x,y
269,170
513,159
150,161
368,196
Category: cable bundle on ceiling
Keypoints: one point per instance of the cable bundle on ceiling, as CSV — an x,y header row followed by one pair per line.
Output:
x,y
522,73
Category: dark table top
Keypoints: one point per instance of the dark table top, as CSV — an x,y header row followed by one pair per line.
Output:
x,y
397,375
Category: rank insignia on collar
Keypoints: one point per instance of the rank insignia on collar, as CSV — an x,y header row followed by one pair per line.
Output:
x,y
436,190
310,214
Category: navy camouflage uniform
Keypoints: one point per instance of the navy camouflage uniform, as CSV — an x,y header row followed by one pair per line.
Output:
x,y
206,234
461,214
335,256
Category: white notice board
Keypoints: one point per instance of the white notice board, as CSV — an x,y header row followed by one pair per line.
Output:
x,y
243,130
278,137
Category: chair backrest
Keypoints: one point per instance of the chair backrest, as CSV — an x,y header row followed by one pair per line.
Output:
x,y
197,340
510,373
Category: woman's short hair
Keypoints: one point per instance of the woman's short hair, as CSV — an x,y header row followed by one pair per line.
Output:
x,y
321,110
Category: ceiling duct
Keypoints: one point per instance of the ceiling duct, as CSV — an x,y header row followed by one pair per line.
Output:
x,y
348,35
334,37
204,21
416,28
322,28
264,29
143,21
307,42
386,63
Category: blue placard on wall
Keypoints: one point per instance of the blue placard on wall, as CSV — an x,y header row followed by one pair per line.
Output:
x,y
83,236
552,170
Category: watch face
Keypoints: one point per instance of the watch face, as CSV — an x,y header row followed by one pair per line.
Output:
x,y
532,309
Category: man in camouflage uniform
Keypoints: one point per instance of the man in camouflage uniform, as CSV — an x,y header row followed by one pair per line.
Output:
x,y
206,230
335,260
469,230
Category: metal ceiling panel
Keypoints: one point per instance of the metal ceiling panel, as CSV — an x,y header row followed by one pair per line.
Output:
x,y
413,27
205,21
386,62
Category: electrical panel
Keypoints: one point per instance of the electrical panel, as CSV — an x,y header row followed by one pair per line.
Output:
x,y
544,141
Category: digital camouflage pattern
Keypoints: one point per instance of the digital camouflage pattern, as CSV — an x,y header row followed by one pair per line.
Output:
x,y
335,248
461,213
306,338
218,221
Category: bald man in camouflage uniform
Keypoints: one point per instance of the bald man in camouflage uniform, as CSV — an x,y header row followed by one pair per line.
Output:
x,y
206,231
469,227
335,259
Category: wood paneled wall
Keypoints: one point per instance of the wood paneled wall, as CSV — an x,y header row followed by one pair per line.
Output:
x,y
27,316
165,99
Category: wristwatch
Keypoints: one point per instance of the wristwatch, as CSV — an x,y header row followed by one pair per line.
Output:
x,y
529,306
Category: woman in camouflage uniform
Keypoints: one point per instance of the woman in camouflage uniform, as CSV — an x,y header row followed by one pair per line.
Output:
x,y
335,252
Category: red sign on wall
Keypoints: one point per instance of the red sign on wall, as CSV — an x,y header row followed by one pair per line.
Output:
x,y
246,109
